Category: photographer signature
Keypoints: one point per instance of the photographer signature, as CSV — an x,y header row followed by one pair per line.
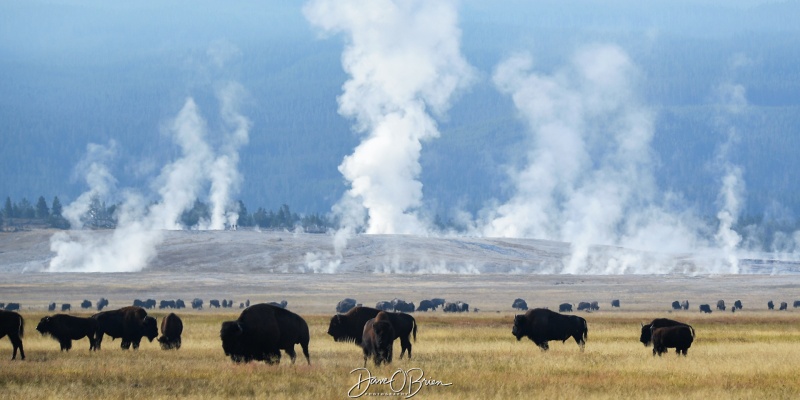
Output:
x,y
401,382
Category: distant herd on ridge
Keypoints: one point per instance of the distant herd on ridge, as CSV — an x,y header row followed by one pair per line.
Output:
x,y
262,330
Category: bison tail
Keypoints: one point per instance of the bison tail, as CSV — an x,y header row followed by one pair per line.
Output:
x,y
585,331
21,326
692,329
414,331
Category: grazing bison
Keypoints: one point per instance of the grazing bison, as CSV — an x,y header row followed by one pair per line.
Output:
x,y
784,306
542,325
171,329
66,307
437,302
377,339
214,303
261,332
796,304
595,306
86,304
685,305
425,306
402,306
282,304
647,330
679,337
180,304
615,303
66,328
384,306
720,305
129,323
12,307
456,307
345,305
166,304
737,304
13,325
676,305
584,306
520,304
197,304
770,305
102,303
349,327
565,307
705,308
51,307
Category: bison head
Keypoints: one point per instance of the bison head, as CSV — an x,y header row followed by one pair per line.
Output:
x,y
647,335
519,326
45,326
338,329
231,334
150,327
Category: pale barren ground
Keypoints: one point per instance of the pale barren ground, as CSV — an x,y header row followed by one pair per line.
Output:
x,y
750,354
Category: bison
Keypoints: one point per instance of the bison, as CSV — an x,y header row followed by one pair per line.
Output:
x,y
171,329
737,304
584,306
66,307
615,303
214,303
770,305
261,331
426,305
384,306
676,305
377,339
679,337
705,308
402,306
456,307
541,325
685,305
519,304
345,305
437,302
51,307
66,328
565,307
129,323
796,304
86,304
12,307
282,304
166,304
721,305
197,304
647,330
180,304
102,303
349,327
595,306
784,306
13,325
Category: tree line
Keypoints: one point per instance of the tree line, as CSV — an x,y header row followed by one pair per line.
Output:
x,y
22,214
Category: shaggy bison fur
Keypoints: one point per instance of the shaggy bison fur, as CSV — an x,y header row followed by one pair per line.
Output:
x,y
13,325
129,323
171,329
261,331
349,327
541,325
66,328
377,339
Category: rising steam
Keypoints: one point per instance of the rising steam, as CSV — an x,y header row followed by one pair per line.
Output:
x,y
140,223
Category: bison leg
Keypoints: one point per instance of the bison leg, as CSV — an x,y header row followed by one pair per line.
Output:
x,y
579,340
405,344
16,342
305,352
98,340
66,344
292,354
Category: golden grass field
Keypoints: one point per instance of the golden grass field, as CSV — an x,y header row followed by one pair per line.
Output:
x,y
749,354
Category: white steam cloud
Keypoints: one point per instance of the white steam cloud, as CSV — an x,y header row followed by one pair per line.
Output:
x,y
140,224
404,62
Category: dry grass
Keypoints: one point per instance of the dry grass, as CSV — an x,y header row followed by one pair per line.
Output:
x,y
746,355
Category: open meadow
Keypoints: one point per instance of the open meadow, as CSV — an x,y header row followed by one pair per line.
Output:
x,y
743,355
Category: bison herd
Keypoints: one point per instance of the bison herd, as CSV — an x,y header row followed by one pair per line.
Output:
x,y
263,330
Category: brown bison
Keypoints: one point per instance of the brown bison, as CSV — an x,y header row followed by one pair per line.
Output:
x,y
13,325
129,323
171,329
377,339
679,337
647,330
541,325
66,328
349,327
261,331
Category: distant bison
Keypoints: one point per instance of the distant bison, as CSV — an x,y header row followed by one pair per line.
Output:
x,y
384,306
595,306
377,339
166,304
437,302
784,306
647,330
197,304
86,304
679,337
584,306
349,327
519,304
402,306
542,325
12,307
66,307
102,303
171,330
720,305
261,331
685,305
66,328
705,308
770,305
565,307
51,307
129,323
180,304
426,305
13,325
737,304
282,304
456,307
345,305
214,303
796,304
676,305
615,303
